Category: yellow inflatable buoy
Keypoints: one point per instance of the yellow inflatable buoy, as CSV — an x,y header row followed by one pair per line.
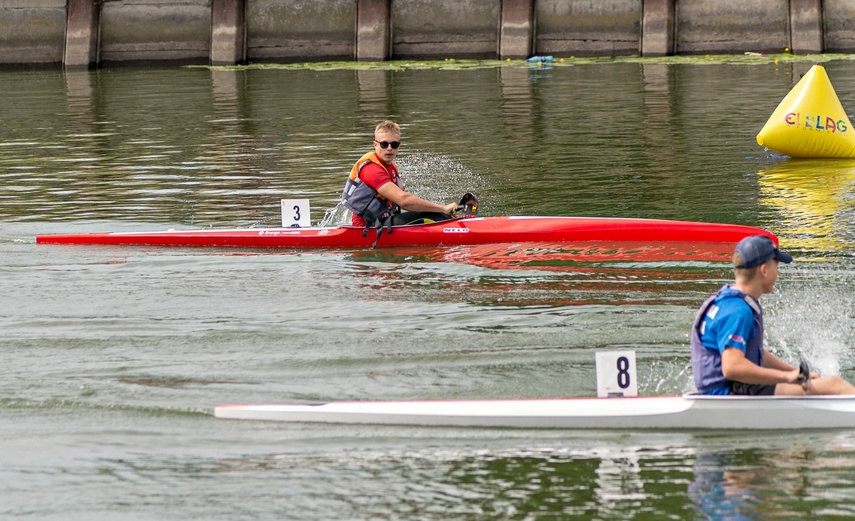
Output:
x,y
810,121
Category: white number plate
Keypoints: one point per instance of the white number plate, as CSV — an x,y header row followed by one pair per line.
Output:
x,y
295,213
616,374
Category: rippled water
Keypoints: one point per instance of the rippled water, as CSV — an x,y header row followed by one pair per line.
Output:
x,y
113,358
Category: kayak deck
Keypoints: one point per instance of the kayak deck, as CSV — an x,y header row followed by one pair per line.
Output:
x,y
462,231
649,413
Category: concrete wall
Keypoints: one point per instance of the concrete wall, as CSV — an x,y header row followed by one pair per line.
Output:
x,y
588,27
166,30
839,25
91,33
432,29
32,32
703,27
298,30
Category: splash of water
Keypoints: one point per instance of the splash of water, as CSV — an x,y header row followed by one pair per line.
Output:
x,y
335,216
435,178
439,178
811,316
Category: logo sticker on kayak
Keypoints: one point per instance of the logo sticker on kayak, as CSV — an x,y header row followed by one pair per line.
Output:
x,y
278,232
455,230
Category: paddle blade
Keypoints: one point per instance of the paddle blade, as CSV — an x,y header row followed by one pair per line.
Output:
x,y
804,371
468,205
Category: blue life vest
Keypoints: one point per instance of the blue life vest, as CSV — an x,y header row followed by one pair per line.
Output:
x,y
706,362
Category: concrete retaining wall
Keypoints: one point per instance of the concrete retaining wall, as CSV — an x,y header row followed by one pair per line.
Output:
x,y
32,32
593,28
88,33
706,27
839,28
300,30
140,30
442,29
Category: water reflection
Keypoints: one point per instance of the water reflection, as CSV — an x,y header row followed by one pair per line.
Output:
x,y
775,480
658,83
451,482
627,256
657,476
720,491
374,95
611,283
79,91
518,111
812,202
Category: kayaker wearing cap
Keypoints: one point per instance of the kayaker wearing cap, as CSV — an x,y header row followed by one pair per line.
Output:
x,y
727,335
374,191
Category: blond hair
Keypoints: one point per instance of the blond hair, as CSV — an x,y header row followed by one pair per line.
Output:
x,y
388,126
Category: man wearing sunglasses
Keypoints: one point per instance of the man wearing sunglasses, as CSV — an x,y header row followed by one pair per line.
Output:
x,y
375,193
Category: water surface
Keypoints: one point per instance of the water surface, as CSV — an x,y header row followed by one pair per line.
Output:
x,y
113,357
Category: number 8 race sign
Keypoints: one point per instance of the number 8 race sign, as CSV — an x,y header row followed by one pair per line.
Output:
x,y
616,374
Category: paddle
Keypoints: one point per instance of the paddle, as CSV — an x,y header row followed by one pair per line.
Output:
x,y
804,371
468,205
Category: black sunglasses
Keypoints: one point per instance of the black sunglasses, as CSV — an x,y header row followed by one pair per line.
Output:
x,y
385,144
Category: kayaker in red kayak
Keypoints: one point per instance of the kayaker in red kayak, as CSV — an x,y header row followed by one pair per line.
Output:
x,y
727,335
375,193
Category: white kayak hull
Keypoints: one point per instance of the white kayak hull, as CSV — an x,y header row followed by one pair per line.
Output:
x,y
649,413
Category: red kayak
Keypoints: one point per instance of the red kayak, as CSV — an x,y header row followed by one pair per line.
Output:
x,y
456,232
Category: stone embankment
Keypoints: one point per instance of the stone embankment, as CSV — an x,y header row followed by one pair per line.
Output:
x,y
79,34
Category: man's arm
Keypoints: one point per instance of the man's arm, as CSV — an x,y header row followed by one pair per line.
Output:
x,y
736,367
412,203
773,362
